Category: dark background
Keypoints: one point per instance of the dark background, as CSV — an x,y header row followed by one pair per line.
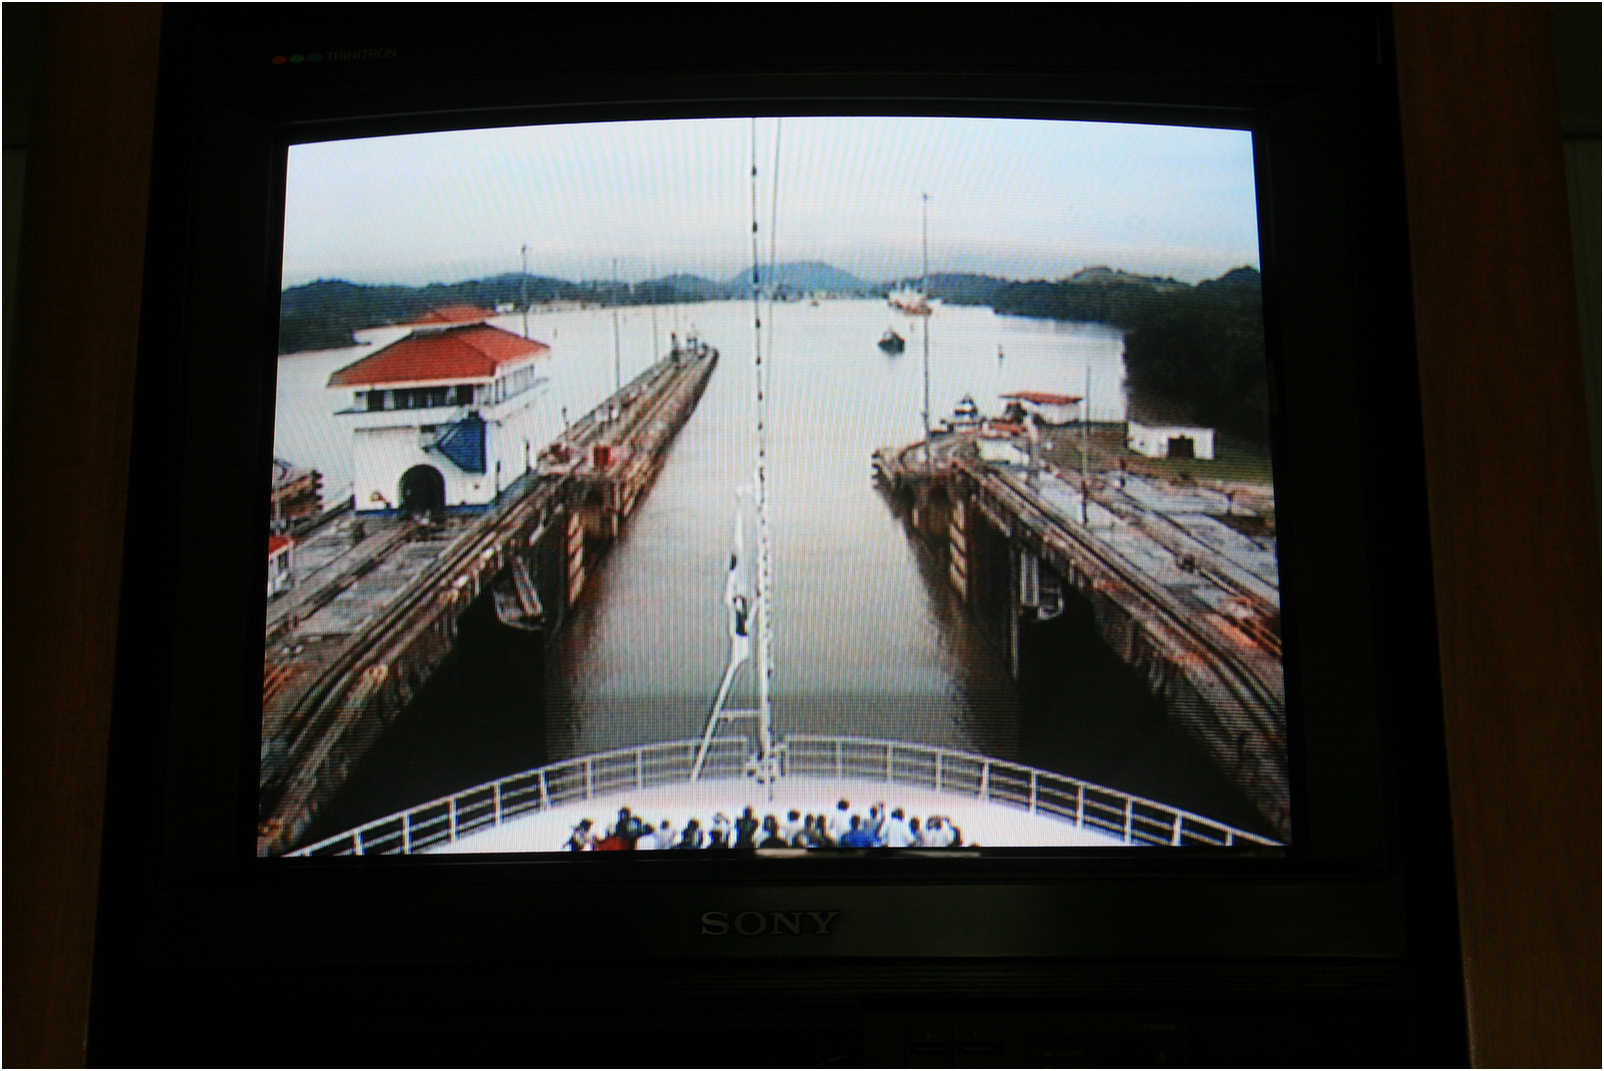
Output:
x,y
1511,474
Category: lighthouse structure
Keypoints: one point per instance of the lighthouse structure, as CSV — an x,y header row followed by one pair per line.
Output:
x,y
445,418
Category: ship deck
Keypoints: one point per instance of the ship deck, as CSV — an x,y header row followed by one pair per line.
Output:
x,y
995,803
983,824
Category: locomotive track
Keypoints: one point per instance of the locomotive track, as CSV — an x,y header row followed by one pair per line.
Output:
x,y
1262,698
467,565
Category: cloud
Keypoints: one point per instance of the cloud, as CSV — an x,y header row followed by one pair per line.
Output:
x,y
1011,197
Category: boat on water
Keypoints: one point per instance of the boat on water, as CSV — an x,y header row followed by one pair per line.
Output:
x,y
965,415
911,301
892,342
517,600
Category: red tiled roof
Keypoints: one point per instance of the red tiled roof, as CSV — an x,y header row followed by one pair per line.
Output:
x,y
1043,398
453,314
276,543
462,353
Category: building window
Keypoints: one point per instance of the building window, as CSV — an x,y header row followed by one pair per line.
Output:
x,y
375,400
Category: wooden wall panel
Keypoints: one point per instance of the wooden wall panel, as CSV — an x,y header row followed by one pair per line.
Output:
x,y
1515,536
68,404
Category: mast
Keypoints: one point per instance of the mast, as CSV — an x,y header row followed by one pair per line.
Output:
x,y
768,760
618,382
765,764
523,288
1085,416
924,281
654,318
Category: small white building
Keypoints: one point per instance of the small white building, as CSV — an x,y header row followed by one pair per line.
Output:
x,y
447,416
1054,409
1170,440
279,565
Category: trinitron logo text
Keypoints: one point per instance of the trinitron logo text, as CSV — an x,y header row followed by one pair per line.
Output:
x,y
768,923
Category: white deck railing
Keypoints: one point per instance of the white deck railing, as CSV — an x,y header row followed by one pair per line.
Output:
x,y
1132,819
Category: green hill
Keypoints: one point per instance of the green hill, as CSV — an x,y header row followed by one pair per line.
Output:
x,y
1200,349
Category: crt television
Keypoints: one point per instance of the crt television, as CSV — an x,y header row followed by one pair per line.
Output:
x,y
530,352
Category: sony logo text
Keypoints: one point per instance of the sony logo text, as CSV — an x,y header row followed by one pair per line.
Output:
x,y
767,923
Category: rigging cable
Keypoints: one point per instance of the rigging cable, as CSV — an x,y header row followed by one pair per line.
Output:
x,y
765,622
766,764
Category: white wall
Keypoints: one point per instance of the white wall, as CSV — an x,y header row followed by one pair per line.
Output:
x,y
1153,440
381,455
279,570
530,417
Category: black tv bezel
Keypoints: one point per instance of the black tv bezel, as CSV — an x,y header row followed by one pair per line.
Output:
x,y
182,884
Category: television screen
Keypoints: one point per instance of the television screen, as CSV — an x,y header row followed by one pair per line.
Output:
x,y
782,484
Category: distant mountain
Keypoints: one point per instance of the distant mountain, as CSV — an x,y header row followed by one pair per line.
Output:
x,y
800,277
321,315
1105,275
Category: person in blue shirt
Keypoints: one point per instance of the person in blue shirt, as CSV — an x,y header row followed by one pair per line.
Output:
x,y
857,836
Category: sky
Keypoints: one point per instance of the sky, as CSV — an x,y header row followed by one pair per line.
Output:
x,y
1023,199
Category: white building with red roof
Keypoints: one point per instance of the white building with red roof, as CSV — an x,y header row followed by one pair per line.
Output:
x,y
447,416
1055,409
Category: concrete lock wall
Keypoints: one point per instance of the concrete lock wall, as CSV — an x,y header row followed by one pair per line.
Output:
x,y
995,563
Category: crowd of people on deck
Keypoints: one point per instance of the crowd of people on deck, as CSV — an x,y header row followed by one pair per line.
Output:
x,y
838,828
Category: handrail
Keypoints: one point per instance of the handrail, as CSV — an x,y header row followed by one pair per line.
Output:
x,y
1045,780
1133,819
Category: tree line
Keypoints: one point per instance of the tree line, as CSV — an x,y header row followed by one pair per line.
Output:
x,y
324,314
1198,348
